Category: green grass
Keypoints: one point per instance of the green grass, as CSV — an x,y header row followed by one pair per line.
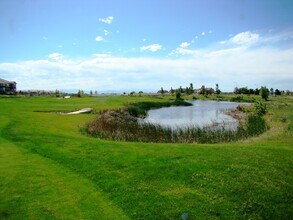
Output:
x,y
49,170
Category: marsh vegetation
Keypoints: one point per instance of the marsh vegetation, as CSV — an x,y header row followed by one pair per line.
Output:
x,y
124,125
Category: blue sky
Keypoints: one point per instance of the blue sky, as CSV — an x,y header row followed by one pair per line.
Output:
x,y
143,45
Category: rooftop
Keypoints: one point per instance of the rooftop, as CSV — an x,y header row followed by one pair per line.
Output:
x,y
5,81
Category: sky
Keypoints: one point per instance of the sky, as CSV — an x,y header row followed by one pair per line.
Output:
x,y
131,45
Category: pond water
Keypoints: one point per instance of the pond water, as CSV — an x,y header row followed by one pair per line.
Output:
x,y
202,113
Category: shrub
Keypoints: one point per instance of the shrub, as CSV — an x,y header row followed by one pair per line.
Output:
x,y
178,94
284,119
264,93
255,125
244,108
238,98
136,111
260,107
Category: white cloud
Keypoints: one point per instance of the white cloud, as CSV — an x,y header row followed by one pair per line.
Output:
x,y
273,38
56,56
264,66
152,47
45,38
99,38
182,51
101,55
245,38
106,32
203,33
107,20
184,44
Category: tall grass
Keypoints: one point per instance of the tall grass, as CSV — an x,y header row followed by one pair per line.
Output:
x,y
122,125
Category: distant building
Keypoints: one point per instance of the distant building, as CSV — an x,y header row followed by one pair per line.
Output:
x,y
7,87
208,91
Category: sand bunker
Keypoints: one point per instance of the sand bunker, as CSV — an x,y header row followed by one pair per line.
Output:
x,y
84,110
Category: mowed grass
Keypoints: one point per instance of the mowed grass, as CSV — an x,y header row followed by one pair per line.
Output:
x,y
50,170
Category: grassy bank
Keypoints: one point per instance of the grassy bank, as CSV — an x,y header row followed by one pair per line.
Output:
x,y
226,97
49,170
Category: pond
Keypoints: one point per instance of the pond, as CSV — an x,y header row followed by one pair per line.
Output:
x,y
202,113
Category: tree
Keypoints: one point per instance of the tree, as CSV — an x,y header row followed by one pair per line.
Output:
x,y
91,92
191,90
272,91
218,91
80,93
256,91
251,91
277,92
57,93
187,90
178,94
172,91
264,92
162,91
244,90
203,90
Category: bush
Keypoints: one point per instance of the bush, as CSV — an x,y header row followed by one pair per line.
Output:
x,y
244,108
260,107
255,125
264,92
178,94
238,98
136,111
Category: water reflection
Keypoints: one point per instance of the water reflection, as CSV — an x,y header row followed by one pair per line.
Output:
x,y
201,113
